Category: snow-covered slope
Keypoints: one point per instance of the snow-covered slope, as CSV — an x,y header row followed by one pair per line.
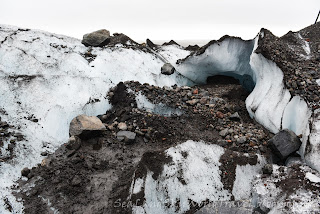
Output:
x,y
54,78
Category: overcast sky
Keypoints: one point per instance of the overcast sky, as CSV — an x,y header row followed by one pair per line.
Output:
x,y
161,20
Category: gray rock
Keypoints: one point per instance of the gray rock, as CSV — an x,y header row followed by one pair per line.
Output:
x,y
167,69
241,140
97,39
192,102
235,117
86,127
224,132
126,136
284,143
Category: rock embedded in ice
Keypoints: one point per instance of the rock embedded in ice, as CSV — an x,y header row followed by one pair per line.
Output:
x,y
86,126
97,38
284,143
167,69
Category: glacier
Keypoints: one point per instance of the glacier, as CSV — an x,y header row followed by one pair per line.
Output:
x,y
56,78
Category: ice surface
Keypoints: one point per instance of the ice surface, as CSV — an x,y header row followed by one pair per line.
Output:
x,y
197,165
312,177
305,46
172,53
296,118
47,75
312,157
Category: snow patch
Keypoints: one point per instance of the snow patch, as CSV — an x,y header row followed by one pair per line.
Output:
x,y
312,177
305,46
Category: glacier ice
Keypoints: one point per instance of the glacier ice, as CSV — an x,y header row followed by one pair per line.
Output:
x,y
49,76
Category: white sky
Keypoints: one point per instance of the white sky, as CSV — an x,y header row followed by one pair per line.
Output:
x,y
161,20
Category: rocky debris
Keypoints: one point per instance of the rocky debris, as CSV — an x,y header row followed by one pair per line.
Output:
x,y
192,48
291,189
167,69
172,42
284,143
9,138
301,69
85,126
97,38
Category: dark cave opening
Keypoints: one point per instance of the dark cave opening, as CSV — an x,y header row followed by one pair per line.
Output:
x,y
231,78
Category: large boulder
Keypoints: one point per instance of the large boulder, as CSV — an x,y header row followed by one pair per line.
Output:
x,y
86,127
284,143
167,69
97,39
127,136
